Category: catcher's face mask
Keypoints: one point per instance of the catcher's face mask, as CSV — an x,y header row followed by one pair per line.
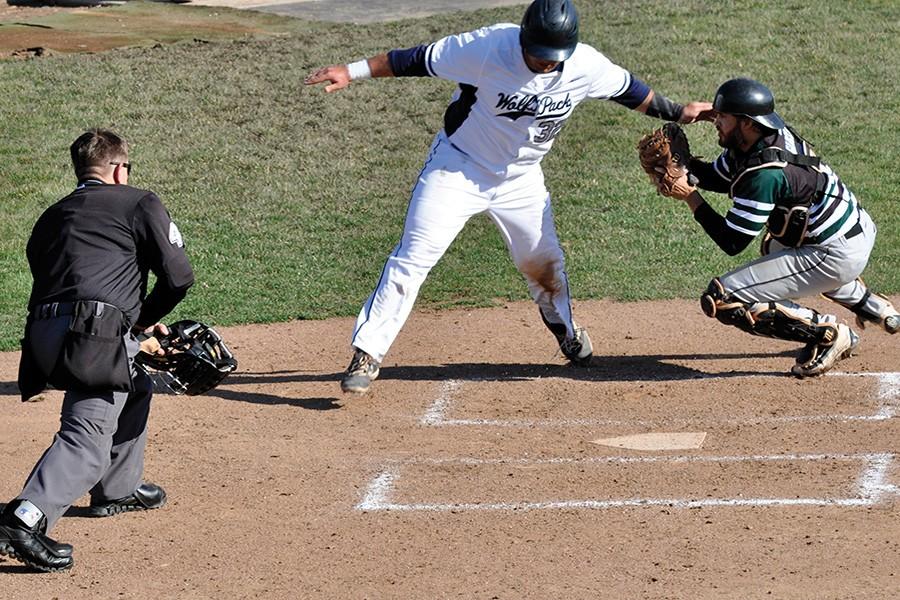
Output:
x,y
195,361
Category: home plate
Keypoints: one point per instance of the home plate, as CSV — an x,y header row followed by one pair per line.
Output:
x,y
685,440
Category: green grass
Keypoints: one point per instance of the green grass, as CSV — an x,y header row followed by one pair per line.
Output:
x,y
290,199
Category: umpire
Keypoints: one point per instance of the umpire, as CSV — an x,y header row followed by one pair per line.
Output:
x,y
90,255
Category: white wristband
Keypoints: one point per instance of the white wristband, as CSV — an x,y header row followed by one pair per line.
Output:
x,y
359,70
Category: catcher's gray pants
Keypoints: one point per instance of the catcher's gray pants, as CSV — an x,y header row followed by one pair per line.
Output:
x,y
788,273
100,444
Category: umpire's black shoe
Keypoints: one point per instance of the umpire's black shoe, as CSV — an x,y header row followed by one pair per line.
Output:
x,y
148,496
31,546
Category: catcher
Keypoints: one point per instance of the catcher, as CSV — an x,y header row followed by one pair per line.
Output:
x,y
818,238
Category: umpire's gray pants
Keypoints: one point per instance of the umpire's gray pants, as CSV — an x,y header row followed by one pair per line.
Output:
x,y
100,444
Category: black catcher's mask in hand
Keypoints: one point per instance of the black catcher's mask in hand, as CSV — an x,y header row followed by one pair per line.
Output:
x,y
195,361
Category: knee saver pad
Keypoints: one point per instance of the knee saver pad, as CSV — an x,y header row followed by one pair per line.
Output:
x,y
712,298
709,298
716,304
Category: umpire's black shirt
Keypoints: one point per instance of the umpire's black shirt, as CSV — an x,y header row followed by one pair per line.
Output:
x,y
100,242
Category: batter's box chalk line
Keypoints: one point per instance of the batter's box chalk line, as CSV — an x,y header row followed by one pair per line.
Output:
x,y
887,395
871,485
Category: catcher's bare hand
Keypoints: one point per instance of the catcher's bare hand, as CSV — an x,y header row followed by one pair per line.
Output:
x,y
338,75
697,111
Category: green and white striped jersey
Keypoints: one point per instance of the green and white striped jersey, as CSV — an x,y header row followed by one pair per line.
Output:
x,y
758,190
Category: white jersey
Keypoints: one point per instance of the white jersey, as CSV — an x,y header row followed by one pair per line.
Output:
x,y
504,116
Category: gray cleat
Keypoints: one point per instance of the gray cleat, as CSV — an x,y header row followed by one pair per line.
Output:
x,y
578,349
892,324
362,371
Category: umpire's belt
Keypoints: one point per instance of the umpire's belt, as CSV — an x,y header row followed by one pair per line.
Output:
x,y
63,309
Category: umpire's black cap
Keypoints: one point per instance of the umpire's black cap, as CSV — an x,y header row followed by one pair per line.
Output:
x,y
550,29
748,98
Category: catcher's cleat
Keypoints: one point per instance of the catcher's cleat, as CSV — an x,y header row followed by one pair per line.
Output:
x,y
147,497
877,309
30,545
807,354
891,323
362,371
578,349
825,356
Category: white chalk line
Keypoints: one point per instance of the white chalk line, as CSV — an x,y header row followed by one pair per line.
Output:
x,y
888,395
871,488
871,482
681,458
378,491
607,504
435,413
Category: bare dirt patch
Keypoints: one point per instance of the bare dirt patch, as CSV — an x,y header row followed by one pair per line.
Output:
x,y
469,471
15,13
27,31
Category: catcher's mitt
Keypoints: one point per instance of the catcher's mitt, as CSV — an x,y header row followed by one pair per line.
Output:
x,y
665,155
195,359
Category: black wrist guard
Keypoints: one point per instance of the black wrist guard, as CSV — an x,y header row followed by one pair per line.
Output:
x,y
663,108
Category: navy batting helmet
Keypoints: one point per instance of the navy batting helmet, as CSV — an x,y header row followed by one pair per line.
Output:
x,y
748,98
550,29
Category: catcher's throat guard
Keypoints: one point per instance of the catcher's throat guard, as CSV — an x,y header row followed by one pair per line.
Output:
x,y
195,359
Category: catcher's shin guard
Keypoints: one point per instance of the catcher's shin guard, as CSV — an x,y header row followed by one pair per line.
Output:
x,y
767,319
716,304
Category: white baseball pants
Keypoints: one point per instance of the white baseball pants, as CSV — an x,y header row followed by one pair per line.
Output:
x,y
450,190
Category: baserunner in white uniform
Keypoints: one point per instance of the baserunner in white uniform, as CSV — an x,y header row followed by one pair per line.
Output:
x,y
517,87
818,237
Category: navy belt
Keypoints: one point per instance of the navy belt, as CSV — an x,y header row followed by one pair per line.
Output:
x,y
854,231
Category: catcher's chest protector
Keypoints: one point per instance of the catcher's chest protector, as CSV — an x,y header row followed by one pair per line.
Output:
x,y
789,219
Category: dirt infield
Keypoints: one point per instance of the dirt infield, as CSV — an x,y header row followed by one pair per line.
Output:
x,y
40,31
471,471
